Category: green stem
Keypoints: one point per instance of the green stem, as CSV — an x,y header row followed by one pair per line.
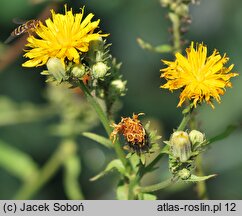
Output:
x,y
184,122
175,19
102,116
104,120
186,118
30,188
158,186
201,185
72,170
132,184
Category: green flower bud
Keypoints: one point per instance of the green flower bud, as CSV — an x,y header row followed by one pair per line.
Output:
x,y
196,137
96,44
173,5
180,9
56,69
119,86
180,145
96,51
99,70
165,3
100,93
184,174
78,71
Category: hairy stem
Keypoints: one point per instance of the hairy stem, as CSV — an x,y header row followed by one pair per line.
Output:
x,y
184,122
175,20
201,185
186,118
104,120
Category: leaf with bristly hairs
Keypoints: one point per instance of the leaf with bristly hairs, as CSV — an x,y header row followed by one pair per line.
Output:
x,y
230,129
99,139
194,178
114,164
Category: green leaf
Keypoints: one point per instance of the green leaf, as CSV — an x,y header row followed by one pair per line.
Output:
x,y
145,45
45,72
167,143
147,196
194,178
143,158
99,139
230,129
164,48
114,164
135,160
165,152
129,155
150,166
155,147
153,137
17,162
147,125
187,109
72,170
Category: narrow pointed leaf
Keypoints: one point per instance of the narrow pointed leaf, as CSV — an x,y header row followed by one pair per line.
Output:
x,y
99,139
164,48
194,178
145,45
230,129
114,164
143,158
17,162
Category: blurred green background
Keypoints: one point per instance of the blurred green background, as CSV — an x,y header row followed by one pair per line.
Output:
x,y
217,23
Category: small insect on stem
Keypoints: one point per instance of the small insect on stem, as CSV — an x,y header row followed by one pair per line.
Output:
x,y
28,26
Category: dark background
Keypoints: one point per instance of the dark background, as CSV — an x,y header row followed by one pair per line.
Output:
x,y
216,23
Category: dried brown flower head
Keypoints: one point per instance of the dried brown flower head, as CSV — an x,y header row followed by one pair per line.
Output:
x,y
133,132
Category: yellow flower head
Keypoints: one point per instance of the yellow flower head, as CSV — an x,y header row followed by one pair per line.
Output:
x,y
64,37
200,78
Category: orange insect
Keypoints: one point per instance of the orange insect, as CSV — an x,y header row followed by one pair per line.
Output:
x,y
28,26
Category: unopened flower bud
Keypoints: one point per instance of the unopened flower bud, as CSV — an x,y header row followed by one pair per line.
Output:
x,y
78,71
96,44
179,9
165,3
196,137
56,69
119,85
180,145
184,174
99,70
182,10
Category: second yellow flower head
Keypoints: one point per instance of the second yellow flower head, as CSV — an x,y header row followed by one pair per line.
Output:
x,y
200,77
